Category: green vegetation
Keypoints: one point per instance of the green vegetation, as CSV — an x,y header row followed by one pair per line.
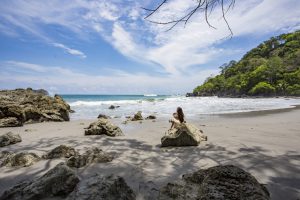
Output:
x,y
272,68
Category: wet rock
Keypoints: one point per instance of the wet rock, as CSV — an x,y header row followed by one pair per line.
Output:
x,y
62,151
151,117
111,107
10,122
9,138
103,116
23,159
30,106
138,116
184,135
221,182
103,126
59,181
102,188
93,155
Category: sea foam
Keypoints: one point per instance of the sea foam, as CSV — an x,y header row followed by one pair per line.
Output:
x,y
164,107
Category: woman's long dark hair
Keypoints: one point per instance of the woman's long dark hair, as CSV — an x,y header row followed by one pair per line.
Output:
x,y
180,114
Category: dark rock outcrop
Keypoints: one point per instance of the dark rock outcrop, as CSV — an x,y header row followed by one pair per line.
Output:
x,y
184,135
23,159
9,138
61,151
93,155
103,126
220,182
151,117
103,116
59,181
103,188
111,107
28,106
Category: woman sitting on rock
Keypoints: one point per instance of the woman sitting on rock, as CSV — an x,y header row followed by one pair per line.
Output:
x,y
178,118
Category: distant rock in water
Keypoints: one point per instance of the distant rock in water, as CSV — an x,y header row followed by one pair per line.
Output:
x,y
220,182
103,187
113,107
57,182
29,106
9,138
103,126
103,116
185,135
151,117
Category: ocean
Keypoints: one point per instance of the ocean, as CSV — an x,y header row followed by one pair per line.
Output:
x,y
90,106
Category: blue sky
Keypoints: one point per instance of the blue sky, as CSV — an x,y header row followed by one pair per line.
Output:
x,y
106,47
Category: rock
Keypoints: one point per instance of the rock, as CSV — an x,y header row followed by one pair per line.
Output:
x,y
103,188
151,117
62,151
59,181
10,122
185,135
219,182
30,106
103,116
137,116
9,138
22,159
3,156
93,155
103,126
111,107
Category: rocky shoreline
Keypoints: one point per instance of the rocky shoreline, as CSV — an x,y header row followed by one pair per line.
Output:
x,y
21,106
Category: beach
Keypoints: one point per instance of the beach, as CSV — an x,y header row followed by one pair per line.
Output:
x,y
264,143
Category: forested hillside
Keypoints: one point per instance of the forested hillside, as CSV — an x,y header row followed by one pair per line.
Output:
x,y
272,68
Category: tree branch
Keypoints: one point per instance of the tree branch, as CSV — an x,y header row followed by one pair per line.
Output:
x,y
206,6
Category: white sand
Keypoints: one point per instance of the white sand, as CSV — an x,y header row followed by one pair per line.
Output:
x,y
266,144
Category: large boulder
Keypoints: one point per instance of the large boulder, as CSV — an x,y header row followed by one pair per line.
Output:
x,y
220,182
103,188
27,106
9,138
23,159
59,181
61,151
184,135
103,126
93,155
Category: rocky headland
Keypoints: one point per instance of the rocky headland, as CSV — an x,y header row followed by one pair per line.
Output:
x,y
21,106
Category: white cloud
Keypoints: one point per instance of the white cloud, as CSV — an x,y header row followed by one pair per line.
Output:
x,y
50,77
69,50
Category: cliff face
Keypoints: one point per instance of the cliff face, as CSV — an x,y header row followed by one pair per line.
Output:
x,y
28,106
272,68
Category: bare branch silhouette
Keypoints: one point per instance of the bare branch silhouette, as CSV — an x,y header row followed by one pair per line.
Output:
x,y
206,6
